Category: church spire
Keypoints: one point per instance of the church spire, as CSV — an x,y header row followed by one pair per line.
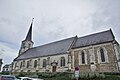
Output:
x,y
29,35
27,43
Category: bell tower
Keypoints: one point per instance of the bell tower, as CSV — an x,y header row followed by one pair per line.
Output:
x,y
27,43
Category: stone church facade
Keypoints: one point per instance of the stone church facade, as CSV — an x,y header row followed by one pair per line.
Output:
x,y
98,52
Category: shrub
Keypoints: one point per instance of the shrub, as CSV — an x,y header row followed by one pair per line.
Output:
x,y
34,75
66,76
5,73
91,75
21,74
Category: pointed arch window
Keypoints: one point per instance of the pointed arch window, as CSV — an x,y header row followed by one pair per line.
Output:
x,y
35,63
62,61
102,54
28,64
48,61
29,45
21,65
44,62
83,57
16,65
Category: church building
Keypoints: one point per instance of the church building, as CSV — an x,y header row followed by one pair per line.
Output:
x,y
98,52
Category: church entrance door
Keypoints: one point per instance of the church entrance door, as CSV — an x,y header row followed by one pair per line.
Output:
x,y
54,69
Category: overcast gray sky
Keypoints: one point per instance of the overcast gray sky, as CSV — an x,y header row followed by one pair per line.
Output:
x,y
54,20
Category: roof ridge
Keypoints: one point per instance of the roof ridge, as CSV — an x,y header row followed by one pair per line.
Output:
x,y
53,42
94,33
95,38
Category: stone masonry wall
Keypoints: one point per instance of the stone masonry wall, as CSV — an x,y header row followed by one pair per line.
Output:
x,y
109,66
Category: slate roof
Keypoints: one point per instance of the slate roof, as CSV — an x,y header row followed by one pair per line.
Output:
x,y
58,47
6,66
97,38
62,46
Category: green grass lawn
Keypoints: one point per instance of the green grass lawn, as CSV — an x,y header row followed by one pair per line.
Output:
x,y
70,76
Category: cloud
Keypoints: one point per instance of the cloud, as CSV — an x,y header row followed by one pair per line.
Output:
x,y
107,16
7,53
54,20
